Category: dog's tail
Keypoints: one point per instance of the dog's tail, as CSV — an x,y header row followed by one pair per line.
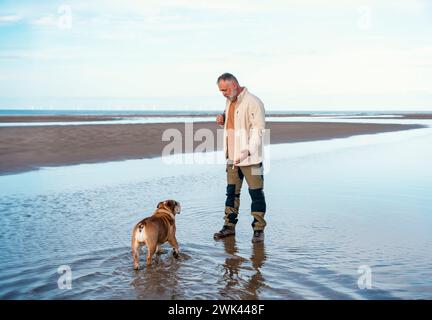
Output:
x,y
139,232
141,225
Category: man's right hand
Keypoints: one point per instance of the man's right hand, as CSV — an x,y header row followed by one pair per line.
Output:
x,y
220,119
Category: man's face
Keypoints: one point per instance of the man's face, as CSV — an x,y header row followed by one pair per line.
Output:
x,y
228,89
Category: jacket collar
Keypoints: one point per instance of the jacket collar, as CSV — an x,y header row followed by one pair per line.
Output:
x,y
241,95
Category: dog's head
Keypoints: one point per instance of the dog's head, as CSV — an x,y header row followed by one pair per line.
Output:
x,y
171,205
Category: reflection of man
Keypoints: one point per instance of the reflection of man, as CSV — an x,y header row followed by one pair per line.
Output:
x,y
244,123
232,265
257,281
234,274
258,256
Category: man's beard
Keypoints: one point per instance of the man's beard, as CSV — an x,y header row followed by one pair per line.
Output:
x,y
233,96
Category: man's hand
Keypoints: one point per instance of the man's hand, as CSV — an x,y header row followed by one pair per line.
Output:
x,y
220,119
243,155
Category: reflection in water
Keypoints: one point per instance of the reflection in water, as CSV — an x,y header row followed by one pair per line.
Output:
x,y
257,280
231,265
159,280
238,280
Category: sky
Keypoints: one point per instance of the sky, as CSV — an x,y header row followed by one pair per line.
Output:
x,y
155,54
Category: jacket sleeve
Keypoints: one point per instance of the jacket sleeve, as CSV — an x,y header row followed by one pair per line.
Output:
x,y
257,120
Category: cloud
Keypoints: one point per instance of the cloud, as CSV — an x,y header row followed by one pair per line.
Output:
x,y
155,7
290,49
247,6
9,19
347,71
47,21
51,54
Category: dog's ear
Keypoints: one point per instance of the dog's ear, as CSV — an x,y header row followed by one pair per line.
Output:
x,y
160,204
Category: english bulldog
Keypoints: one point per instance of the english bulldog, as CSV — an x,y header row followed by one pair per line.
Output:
x,y
156,230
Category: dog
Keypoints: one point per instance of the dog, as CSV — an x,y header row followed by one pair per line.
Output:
x,y
156,230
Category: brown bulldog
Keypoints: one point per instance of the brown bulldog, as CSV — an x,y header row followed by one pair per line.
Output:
x,y
156,230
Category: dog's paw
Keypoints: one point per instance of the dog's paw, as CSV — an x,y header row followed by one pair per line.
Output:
x,y
161,251
176,253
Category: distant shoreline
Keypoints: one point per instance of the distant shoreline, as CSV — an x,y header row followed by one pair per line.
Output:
x,y
31,147
111,117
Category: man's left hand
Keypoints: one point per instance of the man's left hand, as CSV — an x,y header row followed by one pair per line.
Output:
x,y
243,155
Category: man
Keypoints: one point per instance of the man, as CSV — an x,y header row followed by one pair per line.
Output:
x,y
244,123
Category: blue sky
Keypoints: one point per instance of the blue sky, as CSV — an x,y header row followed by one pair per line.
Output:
x,y
298,55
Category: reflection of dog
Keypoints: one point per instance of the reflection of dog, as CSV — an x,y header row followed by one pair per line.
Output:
x,y
156,230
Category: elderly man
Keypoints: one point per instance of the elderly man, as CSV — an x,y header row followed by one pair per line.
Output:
x,y
244,124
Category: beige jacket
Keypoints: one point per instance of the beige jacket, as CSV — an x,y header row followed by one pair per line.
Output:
x,y
249,124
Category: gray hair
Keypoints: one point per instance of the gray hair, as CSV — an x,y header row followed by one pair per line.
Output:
x,y
227,77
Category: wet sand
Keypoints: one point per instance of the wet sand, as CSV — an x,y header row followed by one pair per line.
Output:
x,y
28,148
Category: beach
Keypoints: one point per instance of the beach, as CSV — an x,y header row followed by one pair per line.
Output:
x,y
339,212
30,147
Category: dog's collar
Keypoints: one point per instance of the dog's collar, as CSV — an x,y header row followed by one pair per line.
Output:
x,y
166,211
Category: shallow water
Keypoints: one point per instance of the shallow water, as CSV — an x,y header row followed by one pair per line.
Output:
x,y
333,207
120,120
